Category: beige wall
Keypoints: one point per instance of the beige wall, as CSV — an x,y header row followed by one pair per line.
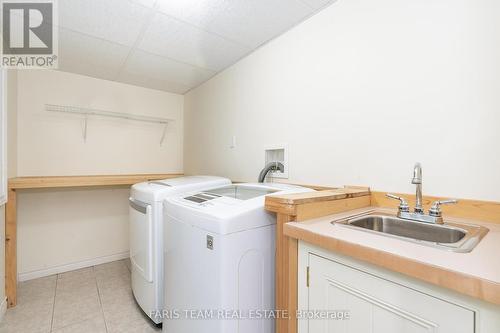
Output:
x,y
360,92
58,229
52,144
12,123
65,227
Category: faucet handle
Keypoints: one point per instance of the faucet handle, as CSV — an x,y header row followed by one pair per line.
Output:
x,y
403,204
436,207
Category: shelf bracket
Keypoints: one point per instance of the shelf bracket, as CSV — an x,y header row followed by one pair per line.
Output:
x,y
163,134
103,113
85,121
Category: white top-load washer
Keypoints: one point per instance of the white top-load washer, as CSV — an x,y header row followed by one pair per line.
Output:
x,y
146,235
219,250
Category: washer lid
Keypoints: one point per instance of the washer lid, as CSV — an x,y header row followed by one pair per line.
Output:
x,y
228,209
158,190
242,191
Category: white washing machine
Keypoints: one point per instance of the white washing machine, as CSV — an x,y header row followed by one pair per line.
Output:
x,y
219,250
146,235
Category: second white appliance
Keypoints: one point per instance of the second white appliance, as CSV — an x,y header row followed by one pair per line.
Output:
x,y
219,250
146,235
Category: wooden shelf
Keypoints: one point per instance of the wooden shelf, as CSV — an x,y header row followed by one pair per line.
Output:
x,y
21,183
83,181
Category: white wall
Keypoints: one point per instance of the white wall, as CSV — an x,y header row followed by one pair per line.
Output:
x,y
52,144
11,123
360,92
11,166
3,303
57,228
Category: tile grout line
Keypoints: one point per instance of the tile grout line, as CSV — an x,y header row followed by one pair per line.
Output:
x,y
58,280
100,301
54,305
80,320
70,324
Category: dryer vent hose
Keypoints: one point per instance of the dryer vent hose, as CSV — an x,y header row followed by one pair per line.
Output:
x,y
272,166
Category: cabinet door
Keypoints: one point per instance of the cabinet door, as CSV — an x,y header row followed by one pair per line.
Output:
x,y
377,305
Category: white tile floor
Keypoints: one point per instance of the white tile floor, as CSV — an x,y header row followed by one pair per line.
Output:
x,y
90,300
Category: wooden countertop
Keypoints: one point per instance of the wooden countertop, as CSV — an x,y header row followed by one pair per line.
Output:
x,y
476,274
84,181
309,205
326,195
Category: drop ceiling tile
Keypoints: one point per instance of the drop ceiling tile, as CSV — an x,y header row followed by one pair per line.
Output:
x,y
147,3
119,21
142,80
250,23
82,54
182,42
255,22
156,72
318,4
212,34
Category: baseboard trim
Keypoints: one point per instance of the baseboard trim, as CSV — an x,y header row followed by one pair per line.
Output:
x,y
71,267
3,308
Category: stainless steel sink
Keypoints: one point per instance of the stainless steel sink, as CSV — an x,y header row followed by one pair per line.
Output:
x,y
449,236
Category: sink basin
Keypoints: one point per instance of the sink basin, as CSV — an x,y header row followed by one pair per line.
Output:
x,y
450,236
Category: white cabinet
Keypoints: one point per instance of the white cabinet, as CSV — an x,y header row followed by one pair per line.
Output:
x,y
376,303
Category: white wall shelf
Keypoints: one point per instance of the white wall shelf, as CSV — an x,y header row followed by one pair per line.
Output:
x,y
103,113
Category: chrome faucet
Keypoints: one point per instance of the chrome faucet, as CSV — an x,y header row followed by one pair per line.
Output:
x,y
417,180
435,214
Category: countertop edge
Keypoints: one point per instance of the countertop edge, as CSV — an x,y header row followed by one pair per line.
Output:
x,y
466,284
318,196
